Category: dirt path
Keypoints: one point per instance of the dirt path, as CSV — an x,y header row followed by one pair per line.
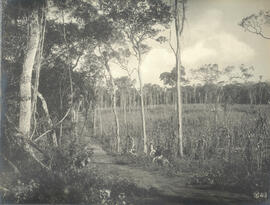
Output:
x,y
170,190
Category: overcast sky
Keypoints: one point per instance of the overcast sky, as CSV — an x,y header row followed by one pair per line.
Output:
x,y
212,35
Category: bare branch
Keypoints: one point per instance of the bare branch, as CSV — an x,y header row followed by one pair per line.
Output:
x,y
77,61
29,142
253,24
14,167
171,44
4,189
53,127
183,17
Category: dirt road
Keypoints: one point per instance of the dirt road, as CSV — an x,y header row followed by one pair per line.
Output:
x,y
170,190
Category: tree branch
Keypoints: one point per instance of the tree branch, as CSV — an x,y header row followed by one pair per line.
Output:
x,y
171,44
183,17
77,61
29,142
16,170
53,127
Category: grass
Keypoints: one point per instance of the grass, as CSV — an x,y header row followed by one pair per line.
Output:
x,y
198,121
234,153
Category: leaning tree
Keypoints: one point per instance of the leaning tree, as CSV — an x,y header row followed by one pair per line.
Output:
x,y
139,21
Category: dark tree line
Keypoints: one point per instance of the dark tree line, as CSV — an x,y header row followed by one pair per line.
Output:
x,y
234,93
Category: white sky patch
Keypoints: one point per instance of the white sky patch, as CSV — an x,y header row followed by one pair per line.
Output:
x,y
197,54
210,36
223,49
232,49
157,61
206,25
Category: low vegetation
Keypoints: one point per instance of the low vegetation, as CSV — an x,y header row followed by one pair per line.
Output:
x,y
232,154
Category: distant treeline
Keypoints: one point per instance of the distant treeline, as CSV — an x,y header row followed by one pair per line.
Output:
x,y
239,93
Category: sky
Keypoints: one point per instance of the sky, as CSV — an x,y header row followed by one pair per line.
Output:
x,y
211,35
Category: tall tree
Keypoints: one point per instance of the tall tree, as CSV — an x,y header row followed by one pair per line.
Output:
x,y
138,21
179,18
124,85
28,65
106,57
170,78
246,73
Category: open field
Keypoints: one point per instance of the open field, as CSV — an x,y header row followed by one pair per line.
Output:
x,y
232,153
198,122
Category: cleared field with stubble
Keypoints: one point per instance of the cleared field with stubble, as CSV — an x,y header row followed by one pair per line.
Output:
x,y
224,148
198,122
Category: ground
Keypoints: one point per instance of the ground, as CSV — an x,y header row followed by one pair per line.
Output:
x,y
164,189
168,190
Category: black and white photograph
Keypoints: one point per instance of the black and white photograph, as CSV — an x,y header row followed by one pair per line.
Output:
x,y
135,102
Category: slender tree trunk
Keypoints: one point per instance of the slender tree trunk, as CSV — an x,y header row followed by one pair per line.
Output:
x,y
61,111
125,111
99,113
76,117
100,122
206,98
49,120
128,101
70,71
195,100
175,100
250,97
260,93
37,66
179,24
216,109
26,76
142,104
13,166
38,59
94,121
117,132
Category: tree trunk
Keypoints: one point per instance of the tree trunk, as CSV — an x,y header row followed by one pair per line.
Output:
x,y
216,109
250,97
179,24
26,76
76,109
205,97
125,112
45,108
100,121
100,106
61,111
261,93
37,64
12,165
128,100
142,105
117,132
195,100
94,120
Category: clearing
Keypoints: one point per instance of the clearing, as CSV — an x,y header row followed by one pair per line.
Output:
x,y
168,190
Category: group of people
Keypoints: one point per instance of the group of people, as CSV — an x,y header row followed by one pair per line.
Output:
x,y
157,155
